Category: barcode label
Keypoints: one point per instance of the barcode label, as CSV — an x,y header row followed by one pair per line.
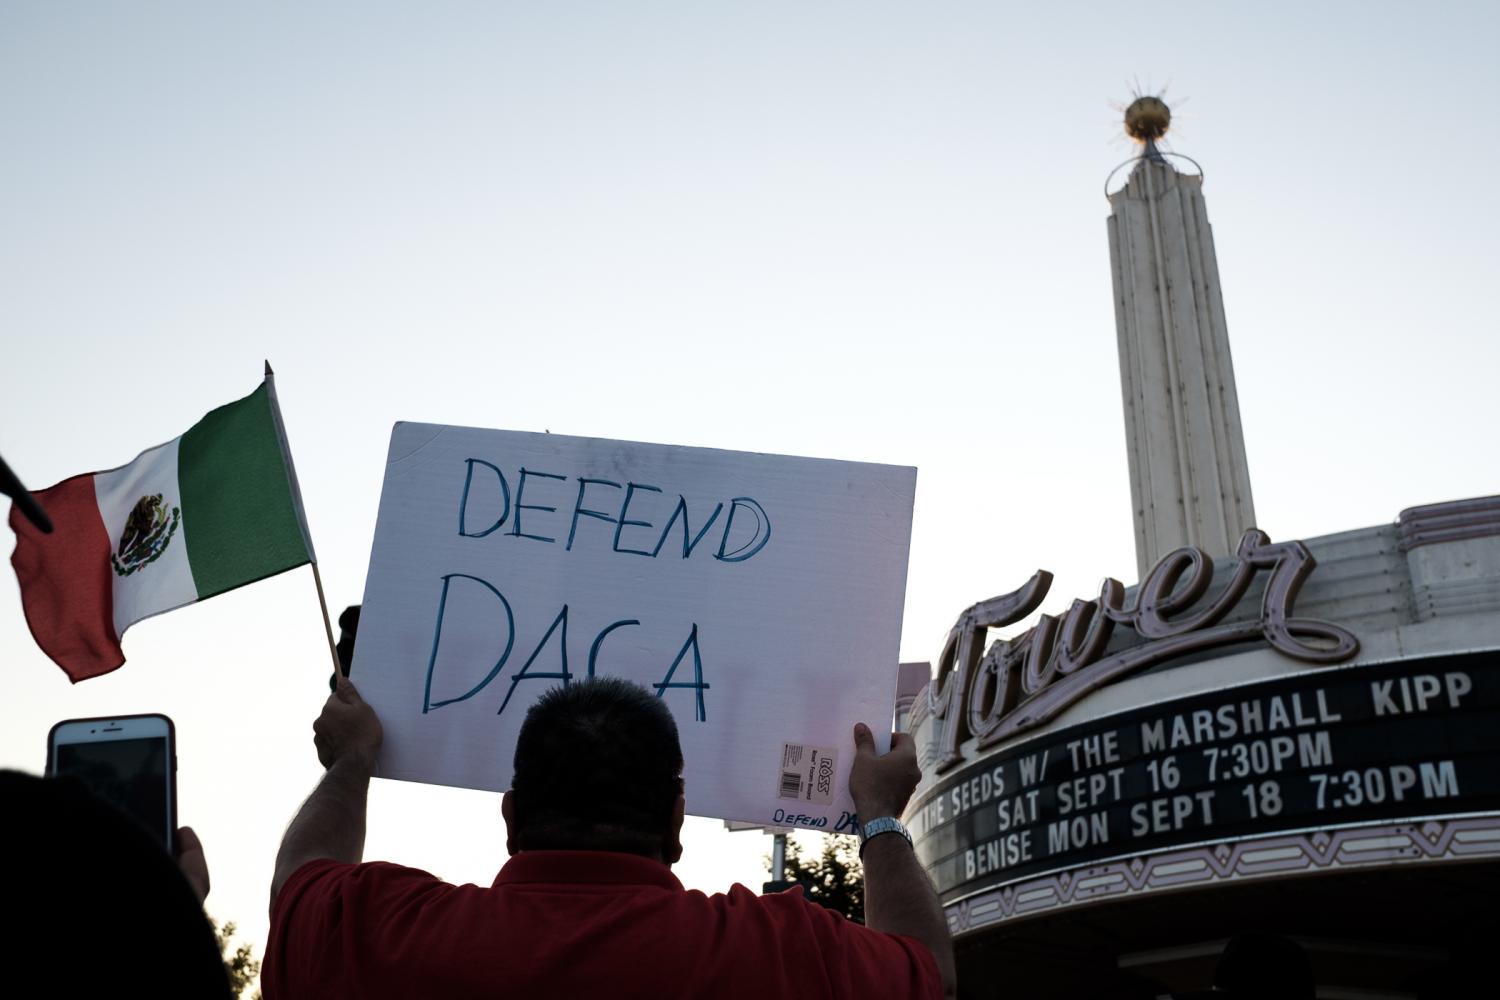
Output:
x,y
808,774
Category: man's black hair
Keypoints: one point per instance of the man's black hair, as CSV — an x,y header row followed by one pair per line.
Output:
x,y
597,767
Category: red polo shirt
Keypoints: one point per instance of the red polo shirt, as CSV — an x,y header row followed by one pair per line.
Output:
x,y
571,924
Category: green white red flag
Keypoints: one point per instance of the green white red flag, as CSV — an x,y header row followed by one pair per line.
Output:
x,y
206,512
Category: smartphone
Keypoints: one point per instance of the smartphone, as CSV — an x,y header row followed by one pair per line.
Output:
x,y
129,761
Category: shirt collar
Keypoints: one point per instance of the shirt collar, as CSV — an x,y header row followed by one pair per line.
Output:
x,y
595,867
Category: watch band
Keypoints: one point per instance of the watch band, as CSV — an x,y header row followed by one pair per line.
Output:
x,y
875,827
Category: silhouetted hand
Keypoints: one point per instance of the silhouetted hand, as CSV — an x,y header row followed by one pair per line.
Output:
x,y
192,862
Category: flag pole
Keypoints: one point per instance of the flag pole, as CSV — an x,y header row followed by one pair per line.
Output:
x,y
327,625
302,521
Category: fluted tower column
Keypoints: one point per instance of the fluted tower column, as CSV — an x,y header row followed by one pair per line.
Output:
x,y
1189,479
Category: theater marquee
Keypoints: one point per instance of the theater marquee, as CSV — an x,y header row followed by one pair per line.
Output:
x,y
1405,739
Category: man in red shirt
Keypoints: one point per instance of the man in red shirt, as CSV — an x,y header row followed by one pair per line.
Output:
x,y
587,905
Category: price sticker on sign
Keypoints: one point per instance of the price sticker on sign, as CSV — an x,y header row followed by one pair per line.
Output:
x,y
808,773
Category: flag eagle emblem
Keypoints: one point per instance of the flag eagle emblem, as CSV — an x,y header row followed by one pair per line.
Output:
x,y
148,531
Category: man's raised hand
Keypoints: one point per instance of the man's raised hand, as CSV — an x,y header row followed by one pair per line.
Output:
x,y
348,728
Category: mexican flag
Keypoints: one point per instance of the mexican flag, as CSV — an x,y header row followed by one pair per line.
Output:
x,y
209,511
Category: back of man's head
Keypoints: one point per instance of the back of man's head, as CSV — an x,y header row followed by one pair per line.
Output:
x,y
597,767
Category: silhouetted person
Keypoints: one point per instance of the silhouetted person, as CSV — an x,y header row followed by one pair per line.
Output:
x,y
94,906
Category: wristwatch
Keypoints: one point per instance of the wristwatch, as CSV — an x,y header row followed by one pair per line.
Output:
x,y
871,829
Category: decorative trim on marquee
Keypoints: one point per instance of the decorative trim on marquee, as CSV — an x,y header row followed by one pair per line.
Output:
x,y
1309,853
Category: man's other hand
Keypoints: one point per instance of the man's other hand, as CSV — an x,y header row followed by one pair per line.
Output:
x,y
348,728
882,785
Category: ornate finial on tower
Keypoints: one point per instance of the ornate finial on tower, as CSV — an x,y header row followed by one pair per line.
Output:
x,y
1147,120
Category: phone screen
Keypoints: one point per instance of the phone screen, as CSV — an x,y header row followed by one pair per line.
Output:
x,y
129,774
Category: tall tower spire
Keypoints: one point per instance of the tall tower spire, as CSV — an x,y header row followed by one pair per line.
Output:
x,y
1189,480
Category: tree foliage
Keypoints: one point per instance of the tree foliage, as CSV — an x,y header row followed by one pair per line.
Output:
x,y
832,877
239,960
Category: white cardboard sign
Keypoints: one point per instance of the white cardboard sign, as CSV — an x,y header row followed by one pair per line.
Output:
x,y
759,595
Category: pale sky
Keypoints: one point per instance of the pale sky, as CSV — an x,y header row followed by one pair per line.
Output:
x,y
867,231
